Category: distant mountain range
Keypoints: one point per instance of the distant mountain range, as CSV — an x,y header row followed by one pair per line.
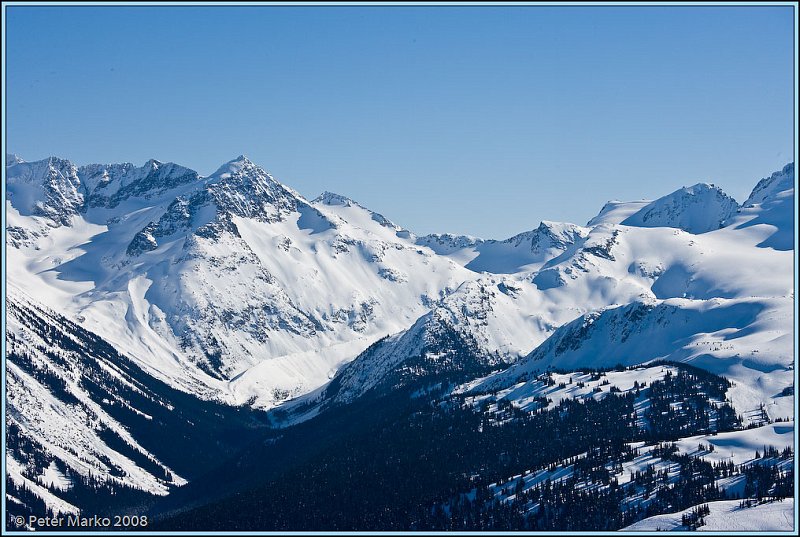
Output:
x,y
161,323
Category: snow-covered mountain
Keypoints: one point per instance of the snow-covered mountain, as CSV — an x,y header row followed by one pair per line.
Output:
x,y
771,204
719,298
523,252
615,211
232,286
735,338
696,209
47,192
140,293
769,188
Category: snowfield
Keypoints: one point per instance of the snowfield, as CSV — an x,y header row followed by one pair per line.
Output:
x,y
728,516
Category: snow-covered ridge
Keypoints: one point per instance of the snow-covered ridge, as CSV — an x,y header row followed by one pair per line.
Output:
x,y
776,183
48,188
618,294
549,235
331,199
109,185
12,158
524,252
726,337
447,242
615,211
237,189
696,209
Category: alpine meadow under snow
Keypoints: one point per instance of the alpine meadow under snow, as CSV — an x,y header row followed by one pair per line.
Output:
x,y
235,320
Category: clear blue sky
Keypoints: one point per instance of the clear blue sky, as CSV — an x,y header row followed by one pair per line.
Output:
x,y
478,120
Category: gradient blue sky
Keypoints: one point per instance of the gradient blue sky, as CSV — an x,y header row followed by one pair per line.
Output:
x,y
463,119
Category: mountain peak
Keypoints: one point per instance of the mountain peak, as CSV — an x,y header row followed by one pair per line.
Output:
x,y
699,208
58,162
48,188
772,185
237,166
551,226
241,188
13,158
698,188
107,185
332,198
548,234
242,160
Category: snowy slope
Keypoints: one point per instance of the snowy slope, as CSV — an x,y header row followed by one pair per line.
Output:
x,y
490,320
728,516
737,450
49,188
527,394
771,207
705,300
732,338
615,211
447,339
58,401
83,421
772,186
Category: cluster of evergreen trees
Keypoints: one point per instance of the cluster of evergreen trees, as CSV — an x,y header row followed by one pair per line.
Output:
x,y
591,497
766,478
680,406
695,518
403,462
